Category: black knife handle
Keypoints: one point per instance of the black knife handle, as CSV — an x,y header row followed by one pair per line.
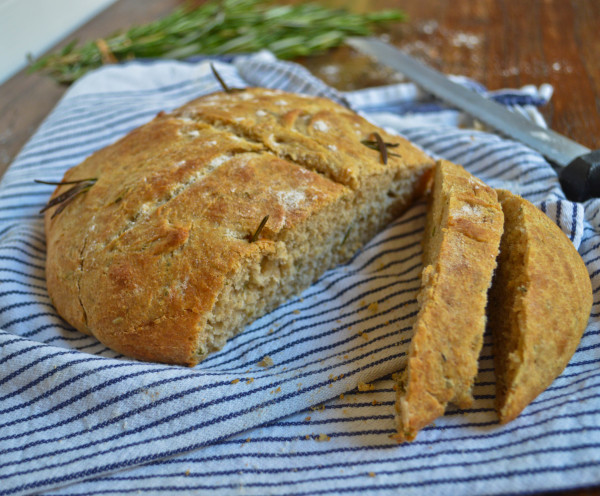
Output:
x,y
580,180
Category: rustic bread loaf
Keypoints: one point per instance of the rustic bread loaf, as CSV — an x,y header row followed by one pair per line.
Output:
x,y
540,303
156,258
460,245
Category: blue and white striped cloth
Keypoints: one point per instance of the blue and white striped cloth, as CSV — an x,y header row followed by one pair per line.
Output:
x,y
77,418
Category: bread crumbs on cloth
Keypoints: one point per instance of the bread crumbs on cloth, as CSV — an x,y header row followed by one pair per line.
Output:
x,y
267,361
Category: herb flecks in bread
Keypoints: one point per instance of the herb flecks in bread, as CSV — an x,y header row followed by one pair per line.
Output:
x,y
540,303
461,240
155,259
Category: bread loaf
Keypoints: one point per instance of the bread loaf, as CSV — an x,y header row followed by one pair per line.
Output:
x,y
540,303
460,245
161,258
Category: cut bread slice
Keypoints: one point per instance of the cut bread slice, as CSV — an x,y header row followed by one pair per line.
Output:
x,y
461,240
540,303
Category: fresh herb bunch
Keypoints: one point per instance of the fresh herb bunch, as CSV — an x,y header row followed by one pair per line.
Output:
x,y
216,28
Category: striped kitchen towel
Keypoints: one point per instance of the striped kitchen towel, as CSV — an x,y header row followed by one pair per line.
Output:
x,y
77,418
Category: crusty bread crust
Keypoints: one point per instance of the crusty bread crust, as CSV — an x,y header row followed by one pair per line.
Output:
x,y
461,240
155,259
540,303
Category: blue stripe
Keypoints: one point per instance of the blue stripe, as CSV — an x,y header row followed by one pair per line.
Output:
x,y
88,392
329,467
55,325
460,438
573,221
22,262
22,283
23,217
79,337
25,194
360,488
21,250
27,318
33,363
180,432
119,398
30,236
25,304
339,465
86,128
88,104
433,453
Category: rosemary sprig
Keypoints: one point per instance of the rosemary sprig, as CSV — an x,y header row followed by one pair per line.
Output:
x,y
378,144
218,27
259,229
62,200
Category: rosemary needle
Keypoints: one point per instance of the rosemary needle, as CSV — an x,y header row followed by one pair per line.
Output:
x,y
80,188
220,79
60,183
62,200
226,88
346,236
259,229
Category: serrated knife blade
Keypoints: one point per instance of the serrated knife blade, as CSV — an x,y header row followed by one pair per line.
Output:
x,y
579,167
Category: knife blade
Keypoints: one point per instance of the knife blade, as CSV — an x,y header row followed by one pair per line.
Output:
x,y
577,165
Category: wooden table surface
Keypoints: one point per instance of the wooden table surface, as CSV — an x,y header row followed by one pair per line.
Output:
x,y
500,43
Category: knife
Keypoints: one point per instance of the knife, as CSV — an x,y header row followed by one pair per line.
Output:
x,y
578,167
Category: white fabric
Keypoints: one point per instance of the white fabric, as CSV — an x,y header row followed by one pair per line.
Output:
x,y
78,418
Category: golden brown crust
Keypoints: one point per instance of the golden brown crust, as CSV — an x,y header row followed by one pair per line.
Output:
x,y
540,303
461,240
143,259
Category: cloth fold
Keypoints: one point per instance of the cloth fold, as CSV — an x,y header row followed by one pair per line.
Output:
x,y
77,418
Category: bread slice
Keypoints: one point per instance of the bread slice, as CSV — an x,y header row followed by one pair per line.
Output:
x,y
461,240
157,259
540,303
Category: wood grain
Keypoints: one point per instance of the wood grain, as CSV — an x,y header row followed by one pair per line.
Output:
x,y
501,43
